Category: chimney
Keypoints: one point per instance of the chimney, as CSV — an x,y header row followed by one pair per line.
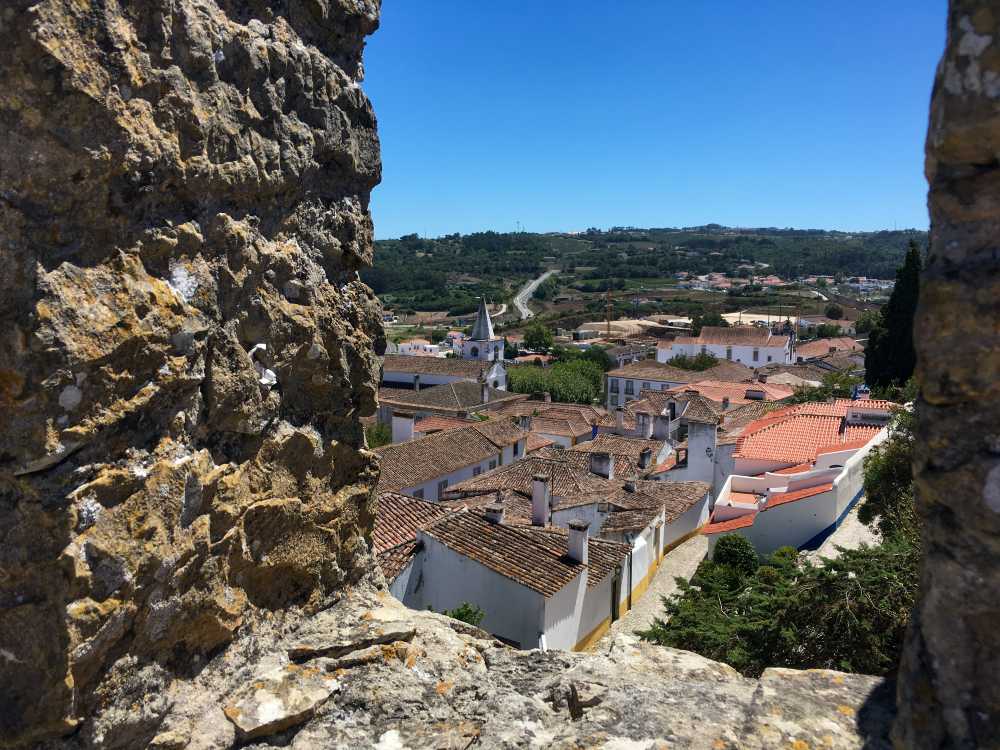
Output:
x,y
630,484
494,513
602,464
541,498
402,427
762,376
620,420
661,427
484,392
525,422
725,403
576,546
416,382
645,457
547,397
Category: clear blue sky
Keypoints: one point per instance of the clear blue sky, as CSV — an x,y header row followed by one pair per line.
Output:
x,y
565,114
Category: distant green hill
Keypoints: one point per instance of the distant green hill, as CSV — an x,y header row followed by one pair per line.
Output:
x,y
451,272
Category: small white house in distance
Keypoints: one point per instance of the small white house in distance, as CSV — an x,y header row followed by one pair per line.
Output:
x,y
752,346
420,347
626,383
798,473
424,467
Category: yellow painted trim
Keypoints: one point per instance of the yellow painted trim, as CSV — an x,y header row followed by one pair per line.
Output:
x,y
593,636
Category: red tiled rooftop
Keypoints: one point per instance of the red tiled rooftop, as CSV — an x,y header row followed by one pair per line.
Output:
x,y
740,522
781,498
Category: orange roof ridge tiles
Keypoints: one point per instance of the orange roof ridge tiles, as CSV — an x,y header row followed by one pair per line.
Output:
x,y
731,524
780,498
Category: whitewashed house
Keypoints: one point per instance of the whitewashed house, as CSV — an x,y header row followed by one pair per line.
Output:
x,y
752,346
556,489
797,473
626,383
424,467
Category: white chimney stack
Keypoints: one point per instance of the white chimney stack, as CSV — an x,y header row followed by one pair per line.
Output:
x,y
620,420
577,542
602,464
541,498
494,513
402,427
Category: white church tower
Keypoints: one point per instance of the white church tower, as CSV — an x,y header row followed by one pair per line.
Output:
x,y
482,343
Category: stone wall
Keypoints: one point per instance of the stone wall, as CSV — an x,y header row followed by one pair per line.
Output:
x,y
949,695
185,347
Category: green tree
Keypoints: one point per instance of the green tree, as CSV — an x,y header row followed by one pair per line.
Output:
x,y
888,501
467,612
699,362
707,319
834,312
378,435
867,321
833,385
538,337
890,356
736,552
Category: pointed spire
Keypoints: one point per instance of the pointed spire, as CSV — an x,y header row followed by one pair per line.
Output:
x,y
483,329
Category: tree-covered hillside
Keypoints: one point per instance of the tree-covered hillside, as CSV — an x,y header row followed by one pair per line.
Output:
x,y
451,272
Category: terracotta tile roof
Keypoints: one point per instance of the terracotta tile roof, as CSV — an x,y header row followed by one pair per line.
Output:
x,y
460,396
619,445
781,498
564,427
744,497
674,497
717,390
580,461
798,468
566,479
803,370
392,561
819,347
535,558
554,410
516,507
398,518
464,368
662,372
740,522
701,410
628,520
798,433
536,442
441,453
437,424
734,335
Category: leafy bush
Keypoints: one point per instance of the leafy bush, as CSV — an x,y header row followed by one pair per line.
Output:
x,y
579,381
699,362
736,552
834,312
467,612
378,435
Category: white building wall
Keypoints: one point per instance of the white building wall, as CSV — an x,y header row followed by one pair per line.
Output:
x,y
740,353
512,611
588,513
430,488
563,440
693,518
562,614
596,607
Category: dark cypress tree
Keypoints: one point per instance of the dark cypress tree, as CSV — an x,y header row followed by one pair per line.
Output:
x,y
890,356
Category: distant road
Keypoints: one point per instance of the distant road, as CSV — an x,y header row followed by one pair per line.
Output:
x,y
521,300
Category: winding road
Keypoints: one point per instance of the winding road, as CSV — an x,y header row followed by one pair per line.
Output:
x,y
521,300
